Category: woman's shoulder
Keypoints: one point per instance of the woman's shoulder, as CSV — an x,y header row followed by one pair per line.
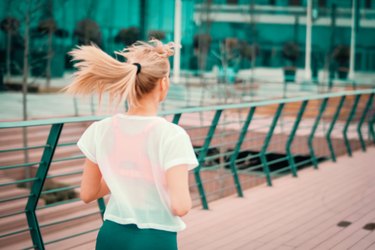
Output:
x,y
103,122
171,127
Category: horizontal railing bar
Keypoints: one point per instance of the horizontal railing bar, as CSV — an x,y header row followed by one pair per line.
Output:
x,y
288,167
212,157
32,247
15,232
69,158
277,161
18,181
59,189
216,166
67,220
12,214
250,156
19,197
63,175
23,148
22,165
190,110
276,172
66,144
210,168
302,162
220,145
59,203
72,236
199,127
51,121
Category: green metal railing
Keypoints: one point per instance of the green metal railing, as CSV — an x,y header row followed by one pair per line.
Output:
x,y
234,145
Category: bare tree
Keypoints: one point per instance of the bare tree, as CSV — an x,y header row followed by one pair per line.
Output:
x,y
48,25
10,26
30,9
204,40
254,35
27,11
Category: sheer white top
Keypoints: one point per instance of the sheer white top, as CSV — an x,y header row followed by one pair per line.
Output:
x,y
133,154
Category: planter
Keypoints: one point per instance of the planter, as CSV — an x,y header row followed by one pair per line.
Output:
x,y
290,74
342,73
17,86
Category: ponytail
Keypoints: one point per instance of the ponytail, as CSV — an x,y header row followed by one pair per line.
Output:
x,y
99,73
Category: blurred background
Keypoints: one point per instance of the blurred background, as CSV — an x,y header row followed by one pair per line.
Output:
x,y
232,50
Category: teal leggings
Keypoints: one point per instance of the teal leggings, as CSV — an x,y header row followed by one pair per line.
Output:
x,y
129,237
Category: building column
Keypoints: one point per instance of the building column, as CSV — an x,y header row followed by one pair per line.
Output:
x,y
177,41
355,9
308,41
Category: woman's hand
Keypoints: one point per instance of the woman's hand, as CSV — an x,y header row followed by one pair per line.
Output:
x,y
93,185
178,188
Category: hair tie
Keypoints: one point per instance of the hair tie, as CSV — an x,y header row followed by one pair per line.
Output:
x,y
139,67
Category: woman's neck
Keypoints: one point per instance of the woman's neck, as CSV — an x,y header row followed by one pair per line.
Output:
x,y
144,109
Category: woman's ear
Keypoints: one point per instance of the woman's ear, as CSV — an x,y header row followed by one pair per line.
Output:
x,y
163,84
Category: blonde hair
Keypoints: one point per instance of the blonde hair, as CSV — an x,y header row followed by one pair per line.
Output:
x,y
100,73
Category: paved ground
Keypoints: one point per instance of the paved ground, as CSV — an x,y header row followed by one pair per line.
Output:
x,y
327,208
296,213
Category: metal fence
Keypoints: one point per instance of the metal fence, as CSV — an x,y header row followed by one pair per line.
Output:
x,y
238,146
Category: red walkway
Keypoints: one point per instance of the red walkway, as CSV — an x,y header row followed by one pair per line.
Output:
x,y
296,213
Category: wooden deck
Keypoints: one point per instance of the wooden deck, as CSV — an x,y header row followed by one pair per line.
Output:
x,y
296,213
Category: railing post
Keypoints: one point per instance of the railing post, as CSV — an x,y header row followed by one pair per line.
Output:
x,y
37,186
176,118
236,151
371,128
350,117
362,119
291,138
313,130
267,141
202,156
331,126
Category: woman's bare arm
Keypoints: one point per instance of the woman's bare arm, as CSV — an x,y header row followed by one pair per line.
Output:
x,y
178,188
93,185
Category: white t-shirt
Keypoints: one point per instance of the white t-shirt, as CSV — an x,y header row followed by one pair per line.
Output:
x,y
133,154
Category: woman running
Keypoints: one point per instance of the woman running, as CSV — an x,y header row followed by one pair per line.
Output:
x,y
141,159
